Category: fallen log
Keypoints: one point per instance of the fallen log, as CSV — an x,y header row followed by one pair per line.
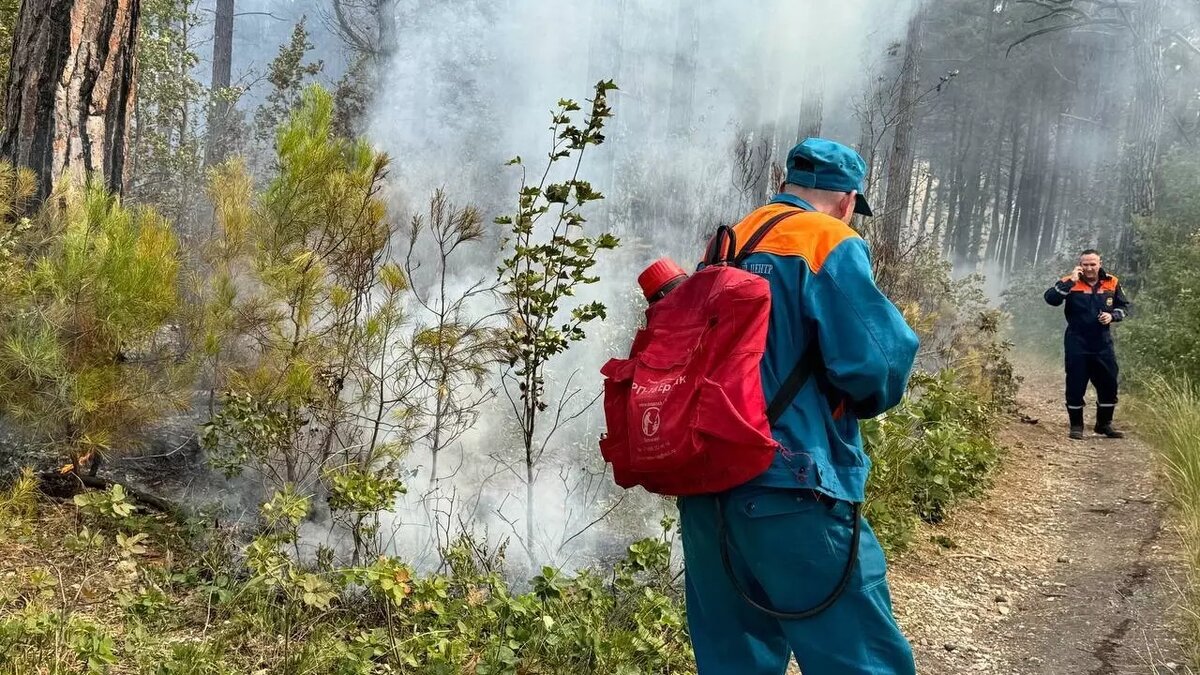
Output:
x,y
66,485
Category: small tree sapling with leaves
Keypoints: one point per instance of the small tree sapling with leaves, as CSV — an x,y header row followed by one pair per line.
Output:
x,y
89,291
303,321
454,349
548,261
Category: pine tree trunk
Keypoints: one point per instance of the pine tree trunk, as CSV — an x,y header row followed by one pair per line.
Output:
x,y
1140,156
1031,191
998,204
926,198
954,194
71,90
973,161
389,32
812,108
1049,212
1010,198
900,159
222,77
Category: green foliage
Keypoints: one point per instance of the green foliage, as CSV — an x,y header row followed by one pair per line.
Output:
x,y
1160,336
288,75
455,346
957,325
1168,413
278,615
538,276
86,355
112,505
928,453
167,140
545,267
325,306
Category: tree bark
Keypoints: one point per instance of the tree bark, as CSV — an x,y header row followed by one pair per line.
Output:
x,y
222,77
961,251
1031,189
71,91
1140,158
900,159
1049,214
1010,198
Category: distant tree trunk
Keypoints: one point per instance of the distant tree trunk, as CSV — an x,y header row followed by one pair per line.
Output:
x,y
954,194
998,204
1010,198
1031,190
1140,155
972,162
222,77
900,159
812,107
1045,247
923,218
71,90
389,32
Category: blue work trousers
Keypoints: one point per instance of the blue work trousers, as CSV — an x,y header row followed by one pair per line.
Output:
x,y
788,550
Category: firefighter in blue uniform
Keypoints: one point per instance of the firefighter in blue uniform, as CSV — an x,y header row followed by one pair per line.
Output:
x,y
785,564
1093,301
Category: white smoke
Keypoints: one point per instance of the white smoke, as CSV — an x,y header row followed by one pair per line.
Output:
x,y
473,85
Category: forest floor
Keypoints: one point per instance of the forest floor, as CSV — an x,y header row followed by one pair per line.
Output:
x,y
1069,565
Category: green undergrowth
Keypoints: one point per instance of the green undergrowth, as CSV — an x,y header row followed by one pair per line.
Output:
x,y
99,587
935,449
1168,415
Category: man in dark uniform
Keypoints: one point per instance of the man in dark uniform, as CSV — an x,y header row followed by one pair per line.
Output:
x,y
1094,301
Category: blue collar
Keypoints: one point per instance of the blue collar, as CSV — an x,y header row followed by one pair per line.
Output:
x,y
793,200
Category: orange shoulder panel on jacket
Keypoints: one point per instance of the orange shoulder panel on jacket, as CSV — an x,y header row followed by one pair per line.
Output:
x,y
1108,285
809,235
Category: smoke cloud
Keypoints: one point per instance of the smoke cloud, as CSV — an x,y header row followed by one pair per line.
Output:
x,y
472,85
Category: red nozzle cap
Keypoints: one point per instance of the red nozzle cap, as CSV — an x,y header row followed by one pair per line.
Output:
x,y
659,274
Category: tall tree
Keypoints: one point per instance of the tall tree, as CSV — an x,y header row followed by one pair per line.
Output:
x,y
222,77
900,158
370,28
1141,151
71,90
166,155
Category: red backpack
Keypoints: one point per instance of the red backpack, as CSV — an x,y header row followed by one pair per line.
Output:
x,y
685,411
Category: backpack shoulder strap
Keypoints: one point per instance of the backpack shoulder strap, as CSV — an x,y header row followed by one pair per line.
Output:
x,y
810,360
761,233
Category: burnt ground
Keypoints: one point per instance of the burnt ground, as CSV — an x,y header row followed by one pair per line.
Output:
x,y
1069,565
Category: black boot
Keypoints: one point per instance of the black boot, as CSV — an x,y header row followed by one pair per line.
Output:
x,y
1104,415
1076,416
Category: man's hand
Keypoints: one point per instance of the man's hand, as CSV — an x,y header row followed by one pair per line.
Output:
x,y
1105,318
1076,273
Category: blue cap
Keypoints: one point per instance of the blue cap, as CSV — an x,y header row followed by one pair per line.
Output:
x,y
827,165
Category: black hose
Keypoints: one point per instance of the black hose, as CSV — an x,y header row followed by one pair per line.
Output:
x,y
723,538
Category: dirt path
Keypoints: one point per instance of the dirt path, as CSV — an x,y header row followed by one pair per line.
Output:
x,y
1066,567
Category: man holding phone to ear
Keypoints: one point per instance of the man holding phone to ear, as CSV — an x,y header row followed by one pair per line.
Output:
x,y
1093,301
